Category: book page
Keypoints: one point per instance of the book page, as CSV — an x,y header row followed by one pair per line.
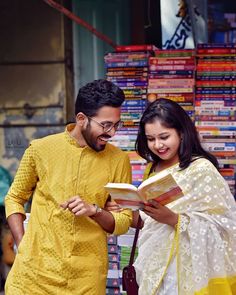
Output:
x,y
124,194
164,190
129,200
153,178
118,185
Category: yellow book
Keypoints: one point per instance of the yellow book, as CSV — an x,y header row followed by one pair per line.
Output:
x,y
161,187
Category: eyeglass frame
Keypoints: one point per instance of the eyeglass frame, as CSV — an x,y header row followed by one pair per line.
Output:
x,y
116,125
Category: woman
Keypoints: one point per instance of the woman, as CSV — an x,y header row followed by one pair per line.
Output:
x,y
188,246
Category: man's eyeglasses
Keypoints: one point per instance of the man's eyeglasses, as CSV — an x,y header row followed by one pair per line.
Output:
x,y
107,127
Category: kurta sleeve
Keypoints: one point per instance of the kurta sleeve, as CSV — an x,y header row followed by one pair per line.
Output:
x,y
123,219
23,185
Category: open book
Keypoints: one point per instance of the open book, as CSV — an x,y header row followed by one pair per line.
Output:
x,y
161,187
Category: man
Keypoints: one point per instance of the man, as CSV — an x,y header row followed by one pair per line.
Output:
x,y
64,249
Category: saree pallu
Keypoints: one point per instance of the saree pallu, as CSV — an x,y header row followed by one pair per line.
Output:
x,y
204,243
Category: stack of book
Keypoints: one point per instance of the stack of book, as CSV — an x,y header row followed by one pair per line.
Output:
x,y
125,243
119,250
113,276
127,67
171,75
138,165
215,104
125,138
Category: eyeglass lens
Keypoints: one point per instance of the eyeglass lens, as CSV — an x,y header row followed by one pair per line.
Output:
x,y
108,126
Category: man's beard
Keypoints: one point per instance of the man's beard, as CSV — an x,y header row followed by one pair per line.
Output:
x,y
91,141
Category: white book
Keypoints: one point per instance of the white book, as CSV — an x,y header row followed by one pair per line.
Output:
x,y
161,187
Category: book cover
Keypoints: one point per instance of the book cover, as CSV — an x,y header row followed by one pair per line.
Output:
x,y
172,72
161,187
172,67
171,61
140,63
216,45
142,47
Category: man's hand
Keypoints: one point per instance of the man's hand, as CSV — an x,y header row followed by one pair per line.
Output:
x,y
79,207
161,213
15,222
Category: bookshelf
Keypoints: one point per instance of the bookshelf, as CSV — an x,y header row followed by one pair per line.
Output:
x,y
215,104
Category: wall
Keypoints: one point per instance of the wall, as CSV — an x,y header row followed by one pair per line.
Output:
x,y
36,92
111,18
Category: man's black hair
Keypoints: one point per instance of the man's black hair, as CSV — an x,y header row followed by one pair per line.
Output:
x,y
96,95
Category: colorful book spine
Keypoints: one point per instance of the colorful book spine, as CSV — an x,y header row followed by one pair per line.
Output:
x,y
127,48
215,104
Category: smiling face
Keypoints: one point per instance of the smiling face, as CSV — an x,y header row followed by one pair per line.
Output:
x,y
163,142
93,134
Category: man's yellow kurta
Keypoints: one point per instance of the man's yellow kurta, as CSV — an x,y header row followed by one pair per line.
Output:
x,y
60,253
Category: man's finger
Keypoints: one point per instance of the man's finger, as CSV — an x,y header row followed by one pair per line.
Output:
x,y
71,200
64,205
76,209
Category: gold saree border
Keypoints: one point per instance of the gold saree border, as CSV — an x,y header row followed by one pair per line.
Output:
x,y
219,286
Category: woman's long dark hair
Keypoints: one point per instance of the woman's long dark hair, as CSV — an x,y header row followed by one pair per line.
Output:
x,y
171,115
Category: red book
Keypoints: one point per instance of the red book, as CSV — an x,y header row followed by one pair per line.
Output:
x,y
219,83
216,63
171,61
171,67
216,69
216,50
144,47
171,82
209,96
214,118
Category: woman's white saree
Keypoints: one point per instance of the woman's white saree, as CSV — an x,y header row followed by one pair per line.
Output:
x,y
204,243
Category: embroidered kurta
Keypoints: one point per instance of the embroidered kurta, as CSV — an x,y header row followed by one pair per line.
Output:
x,y
61,253
203,248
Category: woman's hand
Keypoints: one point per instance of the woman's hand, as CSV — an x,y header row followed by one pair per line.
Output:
x,y
112,206
161,213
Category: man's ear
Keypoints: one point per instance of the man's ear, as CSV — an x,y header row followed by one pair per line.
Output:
x,y
81,119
